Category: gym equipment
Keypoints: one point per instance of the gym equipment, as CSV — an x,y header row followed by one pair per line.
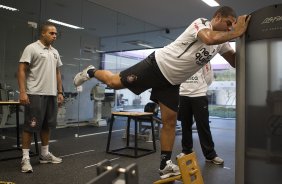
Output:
x,y
69,98
6,112
259,98
107,174
98,94
108,103
189,169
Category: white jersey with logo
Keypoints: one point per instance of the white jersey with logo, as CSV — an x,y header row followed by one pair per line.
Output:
x,y
41,76
198,84
187,54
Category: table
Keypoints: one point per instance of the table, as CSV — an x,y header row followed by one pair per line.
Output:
x,y
18,147
135,116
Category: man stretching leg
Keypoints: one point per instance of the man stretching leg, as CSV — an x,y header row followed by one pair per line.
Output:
x,y
165,69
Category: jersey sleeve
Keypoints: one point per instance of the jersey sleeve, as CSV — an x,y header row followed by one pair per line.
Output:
x,y
59,63
225,47
199,24
27,55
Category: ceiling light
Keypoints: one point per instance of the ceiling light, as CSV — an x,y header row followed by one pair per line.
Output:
x,y
65,24
99,51
82,59
69,64
8,8
145,45
211,3
140,43
91,50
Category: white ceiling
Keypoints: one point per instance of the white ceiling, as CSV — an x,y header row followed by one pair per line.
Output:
x,y
178,13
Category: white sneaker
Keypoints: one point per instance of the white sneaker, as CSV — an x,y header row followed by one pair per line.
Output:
x,y
216,160
83,76
169,170
50,158
26,166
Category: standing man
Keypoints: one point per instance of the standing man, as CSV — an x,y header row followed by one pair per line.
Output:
x,y
193,102
165,69
40,86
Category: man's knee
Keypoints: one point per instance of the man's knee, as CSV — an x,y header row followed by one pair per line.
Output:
x,y
115,82
169,116
169,120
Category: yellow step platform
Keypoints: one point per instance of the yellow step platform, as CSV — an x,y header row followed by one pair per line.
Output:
x,y
190,172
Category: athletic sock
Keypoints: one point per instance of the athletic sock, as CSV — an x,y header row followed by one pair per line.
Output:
x,y
165,156
25,153
44,150
91,72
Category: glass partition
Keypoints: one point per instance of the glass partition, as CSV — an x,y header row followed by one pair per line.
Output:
x,y
104,30
106,39
222,91
16,32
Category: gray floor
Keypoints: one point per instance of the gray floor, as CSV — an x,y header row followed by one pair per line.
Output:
x,y
80,154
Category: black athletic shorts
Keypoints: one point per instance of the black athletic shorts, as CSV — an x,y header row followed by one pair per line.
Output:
x,y
41,113
145,75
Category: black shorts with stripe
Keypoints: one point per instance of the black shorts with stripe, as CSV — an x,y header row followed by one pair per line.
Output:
x,y
146,75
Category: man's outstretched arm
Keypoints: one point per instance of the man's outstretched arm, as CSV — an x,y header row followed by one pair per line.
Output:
x,y
210,37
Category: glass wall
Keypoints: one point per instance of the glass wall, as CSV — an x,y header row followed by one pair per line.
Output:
x,y
15,34
104,41
104,31
222,92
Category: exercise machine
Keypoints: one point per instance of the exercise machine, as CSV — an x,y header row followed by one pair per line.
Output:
x,y
98,95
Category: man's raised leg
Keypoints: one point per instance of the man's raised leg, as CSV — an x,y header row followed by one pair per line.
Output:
x,y
110,79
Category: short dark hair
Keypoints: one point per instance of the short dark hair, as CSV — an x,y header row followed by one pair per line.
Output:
x,y
225,11
45,25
